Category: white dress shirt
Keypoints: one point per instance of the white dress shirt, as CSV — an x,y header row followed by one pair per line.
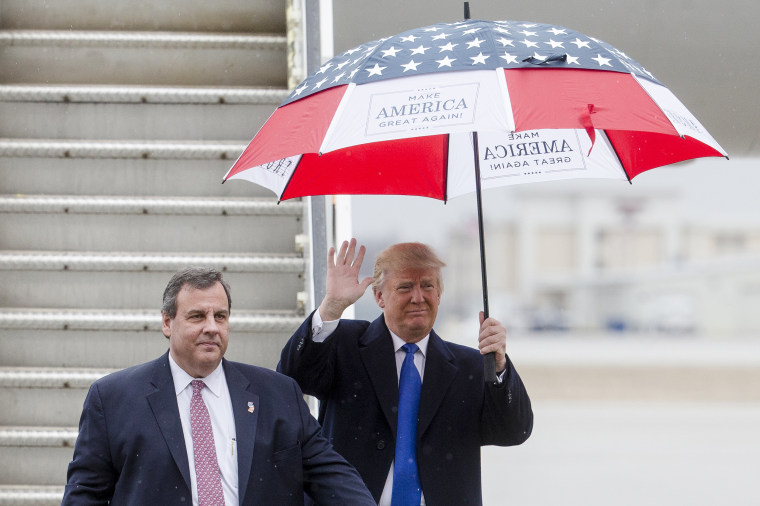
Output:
x,y
217,398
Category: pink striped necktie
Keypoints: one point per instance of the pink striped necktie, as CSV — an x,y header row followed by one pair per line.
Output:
x,y
207,476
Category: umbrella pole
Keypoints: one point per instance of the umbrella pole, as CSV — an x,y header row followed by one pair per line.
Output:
x,y
489,360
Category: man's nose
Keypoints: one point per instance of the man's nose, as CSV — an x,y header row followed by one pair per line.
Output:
x,y
210,324
417,294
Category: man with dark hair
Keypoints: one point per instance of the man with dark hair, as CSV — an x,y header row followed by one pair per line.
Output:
x,y
405,407
192,428
192,277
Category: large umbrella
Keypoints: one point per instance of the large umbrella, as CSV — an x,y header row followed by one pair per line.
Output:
x,y
447,109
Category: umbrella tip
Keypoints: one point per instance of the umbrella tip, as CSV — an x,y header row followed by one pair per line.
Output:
x,y
467,10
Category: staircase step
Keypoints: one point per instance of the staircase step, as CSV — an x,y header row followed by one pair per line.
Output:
x,y
158,232
149,224
136,319
149,121
143,262
31,495
124,176
104,94
117,349
184,15
49,377
177,150
140,39
44,396
40,455
53,437
118,339
101,204
88,112
147,58
87,279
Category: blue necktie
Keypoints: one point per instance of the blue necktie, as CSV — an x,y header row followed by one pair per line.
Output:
x,y
406,482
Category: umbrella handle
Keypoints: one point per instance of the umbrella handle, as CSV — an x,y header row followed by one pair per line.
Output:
x,y
489,360
489,368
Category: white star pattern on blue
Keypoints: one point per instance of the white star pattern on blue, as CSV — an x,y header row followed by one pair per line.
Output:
x,y
468,45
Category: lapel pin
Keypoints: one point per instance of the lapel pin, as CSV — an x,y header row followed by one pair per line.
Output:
x,y
250,407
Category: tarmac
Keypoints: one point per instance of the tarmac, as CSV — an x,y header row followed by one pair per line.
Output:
x,y
633,420
638,368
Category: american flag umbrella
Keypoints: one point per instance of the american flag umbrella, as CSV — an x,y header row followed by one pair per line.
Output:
x,y
451,108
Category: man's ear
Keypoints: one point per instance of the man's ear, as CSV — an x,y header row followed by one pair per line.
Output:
x,y
166,324
378,297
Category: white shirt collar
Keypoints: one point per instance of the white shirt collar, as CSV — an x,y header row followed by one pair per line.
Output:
x,y
181,379
421,344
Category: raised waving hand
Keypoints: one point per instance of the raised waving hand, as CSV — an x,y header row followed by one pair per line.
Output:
x,y
343,287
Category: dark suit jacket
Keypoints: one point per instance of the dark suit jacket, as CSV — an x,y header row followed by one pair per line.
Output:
x,y
353,374
131,449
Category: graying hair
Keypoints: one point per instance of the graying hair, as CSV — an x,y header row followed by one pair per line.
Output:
x,y
198,278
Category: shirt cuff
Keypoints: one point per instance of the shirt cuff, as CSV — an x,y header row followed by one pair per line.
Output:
x,y
321,330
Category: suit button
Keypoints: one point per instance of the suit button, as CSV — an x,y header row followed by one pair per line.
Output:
x,y
381,445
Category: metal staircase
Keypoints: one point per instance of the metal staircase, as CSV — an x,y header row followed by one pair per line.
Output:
x,y
117,122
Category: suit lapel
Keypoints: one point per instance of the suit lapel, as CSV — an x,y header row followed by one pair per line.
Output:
x,y
377,355
439,373
245,407
163,403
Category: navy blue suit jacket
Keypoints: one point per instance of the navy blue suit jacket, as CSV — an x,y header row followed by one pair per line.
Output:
x,y
353,374
131,449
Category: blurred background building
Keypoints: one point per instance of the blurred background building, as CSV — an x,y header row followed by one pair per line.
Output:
x,y
671,253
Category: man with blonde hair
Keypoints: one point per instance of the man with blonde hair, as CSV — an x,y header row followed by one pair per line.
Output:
x,y
409,410
407,255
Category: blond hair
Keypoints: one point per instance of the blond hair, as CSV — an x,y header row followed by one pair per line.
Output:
x,y
406,255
